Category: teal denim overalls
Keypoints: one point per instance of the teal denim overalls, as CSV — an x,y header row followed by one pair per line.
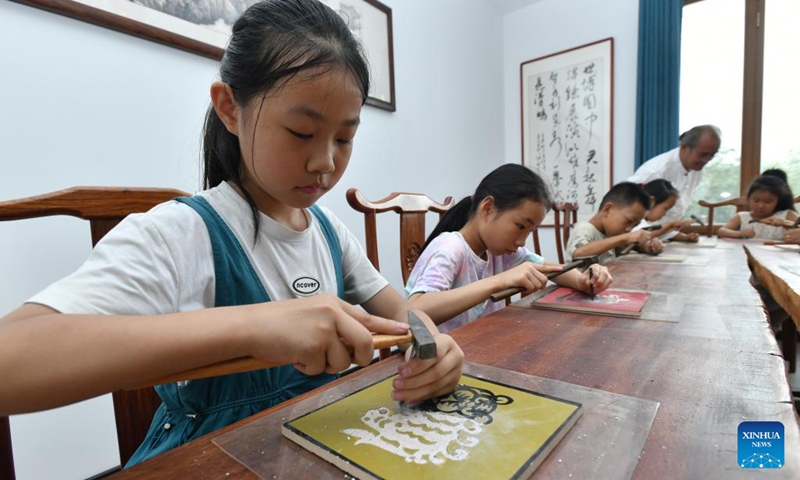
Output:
x,y
203,406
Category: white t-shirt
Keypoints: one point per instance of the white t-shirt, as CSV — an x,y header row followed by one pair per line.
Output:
x,y
161,262
583,233
448,262
767,232
669,167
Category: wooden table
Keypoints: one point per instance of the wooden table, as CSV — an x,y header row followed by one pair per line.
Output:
x,y
716,367
769,264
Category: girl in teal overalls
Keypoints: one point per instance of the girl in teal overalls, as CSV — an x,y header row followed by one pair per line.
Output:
x,y
248,267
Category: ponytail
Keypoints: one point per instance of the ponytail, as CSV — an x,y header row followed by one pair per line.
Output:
x,y
453,220
221,158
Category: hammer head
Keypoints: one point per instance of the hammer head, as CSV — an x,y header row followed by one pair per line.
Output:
x,y
423,345
586,261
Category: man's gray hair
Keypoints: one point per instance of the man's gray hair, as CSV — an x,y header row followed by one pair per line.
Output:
x,y
691,138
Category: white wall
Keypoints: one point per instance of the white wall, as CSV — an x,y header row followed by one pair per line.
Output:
x,y
550,26
85,105
447,132
82,105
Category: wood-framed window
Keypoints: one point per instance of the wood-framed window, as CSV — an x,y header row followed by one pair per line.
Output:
x,y
734,44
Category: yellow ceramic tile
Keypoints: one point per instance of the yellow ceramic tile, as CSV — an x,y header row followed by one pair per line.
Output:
x,y
483,430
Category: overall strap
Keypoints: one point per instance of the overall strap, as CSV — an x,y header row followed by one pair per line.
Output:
x,y
239,289
199,407
333,245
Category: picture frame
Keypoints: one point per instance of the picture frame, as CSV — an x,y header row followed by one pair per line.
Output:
x,y
206,33
566,109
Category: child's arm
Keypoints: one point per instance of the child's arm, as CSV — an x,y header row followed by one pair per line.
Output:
x,y
653,246
446,304
419,379
792,236
788,222
692,237
575,279
669,226
48,359
731,229
599,247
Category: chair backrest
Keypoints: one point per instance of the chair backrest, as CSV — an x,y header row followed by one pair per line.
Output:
x,y
412,208
739,202
536,246
104,208
566,216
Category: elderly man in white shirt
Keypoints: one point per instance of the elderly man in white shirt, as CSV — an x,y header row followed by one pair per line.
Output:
x,y
683,166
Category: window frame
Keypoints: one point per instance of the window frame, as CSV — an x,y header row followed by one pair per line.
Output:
x,y
753,85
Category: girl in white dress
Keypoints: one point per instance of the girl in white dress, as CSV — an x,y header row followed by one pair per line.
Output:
x,y
771,211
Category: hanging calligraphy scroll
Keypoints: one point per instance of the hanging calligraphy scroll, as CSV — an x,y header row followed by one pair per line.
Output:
x,y
567,122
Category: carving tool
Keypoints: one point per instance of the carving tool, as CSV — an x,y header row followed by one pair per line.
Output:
x,y
576,263
697,219
422,346
651,228
627,248
765,222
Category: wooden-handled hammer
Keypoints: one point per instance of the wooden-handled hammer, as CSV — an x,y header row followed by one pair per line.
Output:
x,y
630,246
422,344
577,262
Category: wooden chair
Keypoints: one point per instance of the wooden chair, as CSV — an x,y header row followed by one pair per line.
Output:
x,y
739,202
537,248
412,208
104,208
566,216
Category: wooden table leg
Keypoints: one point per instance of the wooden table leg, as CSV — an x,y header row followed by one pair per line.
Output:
x,y
6,455
789,342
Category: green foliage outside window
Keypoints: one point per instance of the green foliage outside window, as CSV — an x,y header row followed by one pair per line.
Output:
x,y
721,181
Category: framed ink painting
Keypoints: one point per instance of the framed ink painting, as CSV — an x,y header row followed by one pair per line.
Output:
x,y
371,22
204,27
567,117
